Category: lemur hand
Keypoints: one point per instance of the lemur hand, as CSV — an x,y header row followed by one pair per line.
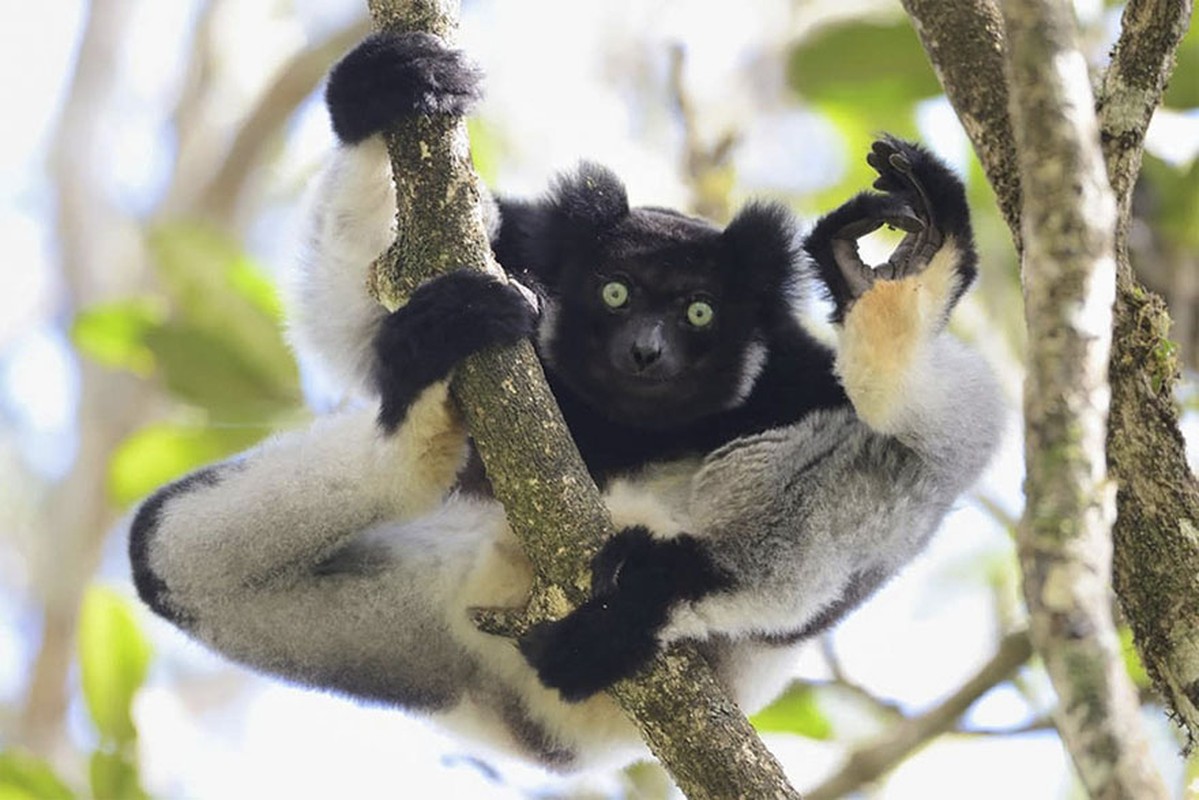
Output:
x,y
921,196
636,579
446,320
391,76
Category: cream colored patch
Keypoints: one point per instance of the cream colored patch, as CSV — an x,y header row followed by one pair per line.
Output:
x,y
431,447
884,334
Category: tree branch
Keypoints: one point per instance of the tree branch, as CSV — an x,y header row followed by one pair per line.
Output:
x,y
1068,265
534,468
867,764
1133,83
1156,569
220,198
964,42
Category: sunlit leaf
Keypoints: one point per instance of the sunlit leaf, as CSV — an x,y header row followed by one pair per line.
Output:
x,y
114,334
114,777
796,711
113,658
486,149
1132,660
160,453
24,777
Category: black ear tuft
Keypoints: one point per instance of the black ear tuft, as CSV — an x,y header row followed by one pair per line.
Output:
x,y
590,200
762,240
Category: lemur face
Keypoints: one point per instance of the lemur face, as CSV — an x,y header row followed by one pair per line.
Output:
x,y
652,327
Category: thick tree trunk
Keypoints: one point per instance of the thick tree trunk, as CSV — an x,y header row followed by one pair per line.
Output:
x,y
1156,549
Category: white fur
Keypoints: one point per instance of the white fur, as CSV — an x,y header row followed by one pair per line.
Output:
x,y
351,222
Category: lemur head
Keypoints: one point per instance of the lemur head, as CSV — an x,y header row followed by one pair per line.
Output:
x,y
655,318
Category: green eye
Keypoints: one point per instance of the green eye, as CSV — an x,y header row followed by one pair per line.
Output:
x,y
615,294
700,314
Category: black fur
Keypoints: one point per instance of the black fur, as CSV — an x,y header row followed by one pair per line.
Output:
x,y
636,578
391,76
150,587
919,191
444,321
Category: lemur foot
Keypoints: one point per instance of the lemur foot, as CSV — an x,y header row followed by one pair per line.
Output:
x,y
921,196
447,319
635,581
391,76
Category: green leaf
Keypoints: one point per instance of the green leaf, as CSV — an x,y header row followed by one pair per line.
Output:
x,y
113,334
217,290
24,777
208,369
113,658
486,149
1132,660
873,65
249,281
160,453
796,711
114,777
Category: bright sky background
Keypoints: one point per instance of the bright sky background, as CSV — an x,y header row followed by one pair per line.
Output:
x,y
914,642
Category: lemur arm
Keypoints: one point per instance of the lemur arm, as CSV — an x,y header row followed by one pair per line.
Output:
x,y
793,528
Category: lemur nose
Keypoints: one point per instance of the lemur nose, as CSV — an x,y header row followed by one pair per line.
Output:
x,y
645,354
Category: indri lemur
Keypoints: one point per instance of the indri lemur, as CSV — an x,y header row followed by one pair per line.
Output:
x,y
763,483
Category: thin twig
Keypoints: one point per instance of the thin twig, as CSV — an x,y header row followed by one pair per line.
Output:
x,y
870,762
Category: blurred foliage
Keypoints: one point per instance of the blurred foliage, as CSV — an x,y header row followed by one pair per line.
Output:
x,y
1183,91
114,656
796,711
864,76
487,148
213,340
1174,204
23,777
